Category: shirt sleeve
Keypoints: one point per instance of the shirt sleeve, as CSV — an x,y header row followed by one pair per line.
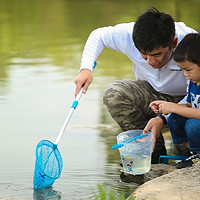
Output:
x,y
182,30
184,100
188,94
112,37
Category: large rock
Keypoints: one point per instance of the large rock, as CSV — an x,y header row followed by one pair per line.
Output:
x,y
181,184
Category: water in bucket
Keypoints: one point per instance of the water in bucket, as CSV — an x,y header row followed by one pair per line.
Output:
x,y
136,155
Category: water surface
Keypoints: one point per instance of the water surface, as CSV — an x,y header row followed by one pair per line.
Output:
x,y
41,43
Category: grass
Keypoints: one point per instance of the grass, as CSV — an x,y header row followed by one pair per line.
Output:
x,y
109,195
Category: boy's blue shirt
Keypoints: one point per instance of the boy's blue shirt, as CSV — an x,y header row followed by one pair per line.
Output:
x,y
193,95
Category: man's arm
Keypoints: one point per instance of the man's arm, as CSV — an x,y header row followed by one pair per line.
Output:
x,y
112,37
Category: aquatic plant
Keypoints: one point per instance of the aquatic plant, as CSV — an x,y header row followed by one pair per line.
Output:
x,y
112,194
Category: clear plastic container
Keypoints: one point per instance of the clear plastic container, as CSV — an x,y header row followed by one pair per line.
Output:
x,y
136,155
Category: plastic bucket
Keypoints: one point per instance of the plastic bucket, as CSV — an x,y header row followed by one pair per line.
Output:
x,y
136,155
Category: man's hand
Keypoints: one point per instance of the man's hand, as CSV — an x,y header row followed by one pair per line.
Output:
x,y
83,79
154,126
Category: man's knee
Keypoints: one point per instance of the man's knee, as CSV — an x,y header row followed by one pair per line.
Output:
x,y
112,93
117,93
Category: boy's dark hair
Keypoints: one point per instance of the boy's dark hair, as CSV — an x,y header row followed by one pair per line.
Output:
x,y
153,29
188,49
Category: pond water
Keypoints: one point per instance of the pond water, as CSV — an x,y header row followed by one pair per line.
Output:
x,y
41,43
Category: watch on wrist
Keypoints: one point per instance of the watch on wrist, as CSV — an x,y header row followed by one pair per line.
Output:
x,y
163,118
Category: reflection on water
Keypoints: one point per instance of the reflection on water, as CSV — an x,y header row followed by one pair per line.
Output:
x,y
46,194
41,43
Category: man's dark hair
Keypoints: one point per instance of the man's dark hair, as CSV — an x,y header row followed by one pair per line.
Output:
x,y
153,29
188,49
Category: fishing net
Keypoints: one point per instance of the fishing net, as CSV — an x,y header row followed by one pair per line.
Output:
x,y
48,165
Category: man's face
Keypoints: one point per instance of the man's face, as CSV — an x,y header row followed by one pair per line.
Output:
x,y
158,57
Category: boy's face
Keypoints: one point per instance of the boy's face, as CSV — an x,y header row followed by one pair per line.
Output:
x,y
191,71
158,57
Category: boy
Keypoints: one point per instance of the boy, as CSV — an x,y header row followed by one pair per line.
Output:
x,y
184,122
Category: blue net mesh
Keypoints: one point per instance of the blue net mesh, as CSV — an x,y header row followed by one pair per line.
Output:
x,y
48,165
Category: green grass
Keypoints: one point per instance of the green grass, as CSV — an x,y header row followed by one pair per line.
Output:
x,y
109,195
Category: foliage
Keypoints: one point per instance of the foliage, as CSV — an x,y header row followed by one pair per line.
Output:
x,y
109,195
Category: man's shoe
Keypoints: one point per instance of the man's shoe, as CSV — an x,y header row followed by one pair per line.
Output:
x,y
188,162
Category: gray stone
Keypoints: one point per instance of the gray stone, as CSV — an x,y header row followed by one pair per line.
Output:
x,y
165,182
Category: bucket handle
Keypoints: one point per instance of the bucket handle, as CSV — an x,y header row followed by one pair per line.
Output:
x,y
117,146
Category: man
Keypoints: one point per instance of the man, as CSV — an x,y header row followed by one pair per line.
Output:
x,y
149,43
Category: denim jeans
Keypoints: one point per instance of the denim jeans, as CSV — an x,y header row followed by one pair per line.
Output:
x,y
185,130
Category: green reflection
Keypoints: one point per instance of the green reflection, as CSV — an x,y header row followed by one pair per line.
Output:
x,y
58,29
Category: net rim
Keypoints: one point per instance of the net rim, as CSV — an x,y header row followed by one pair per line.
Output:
x,y
53,146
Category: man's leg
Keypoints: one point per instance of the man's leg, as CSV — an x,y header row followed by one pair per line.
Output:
x,y
128,103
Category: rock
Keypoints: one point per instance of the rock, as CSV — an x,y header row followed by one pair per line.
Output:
x,y
156,171
173,184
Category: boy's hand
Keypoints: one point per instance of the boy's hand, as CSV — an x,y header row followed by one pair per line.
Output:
x,y
165,107
154,106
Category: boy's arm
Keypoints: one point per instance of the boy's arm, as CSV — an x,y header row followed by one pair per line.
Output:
x,y
184,110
